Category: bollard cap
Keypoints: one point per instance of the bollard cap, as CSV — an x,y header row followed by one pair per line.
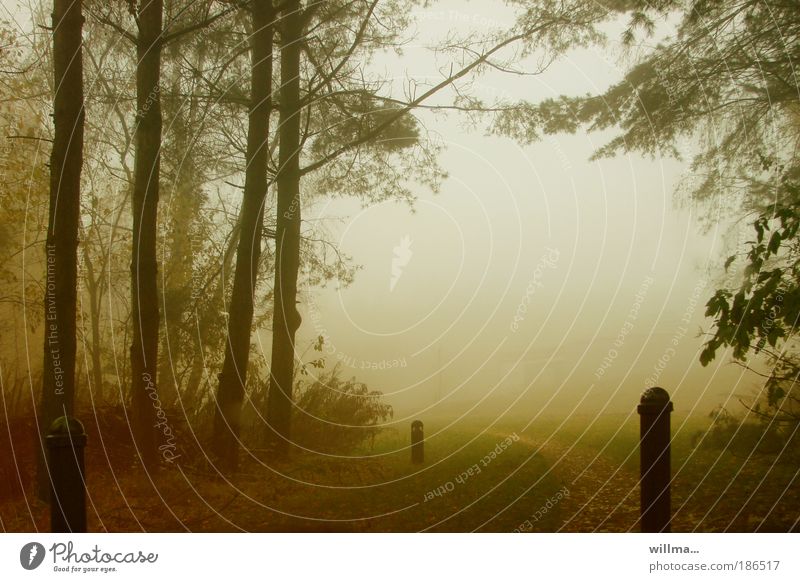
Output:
x,y
655,395
654,399
64,430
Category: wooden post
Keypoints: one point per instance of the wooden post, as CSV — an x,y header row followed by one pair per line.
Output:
x,y
417,442
654,447
66,440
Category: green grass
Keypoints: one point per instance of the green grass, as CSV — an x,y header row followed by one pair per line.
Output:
x,y
464,485
381,490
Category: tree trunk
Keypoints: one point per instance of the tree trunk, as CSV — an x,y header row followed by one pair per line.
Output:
x,y
192,388
66,159
185,201
144,289
230,391
93,286
286,318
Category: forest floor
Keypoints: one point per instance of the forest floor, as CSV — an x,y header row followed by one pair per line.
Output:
x,y
579,477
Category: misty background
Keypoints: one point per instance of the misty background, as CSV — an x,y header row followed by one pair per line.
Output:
x,y
534,277
605,262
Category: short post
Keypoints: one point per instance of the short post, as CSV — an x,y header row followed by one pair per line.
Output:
x,y
654,449
417,442
66,440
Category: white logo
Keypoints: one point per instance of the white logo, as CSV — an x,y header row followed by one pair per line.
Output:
x,y
31,555
402,255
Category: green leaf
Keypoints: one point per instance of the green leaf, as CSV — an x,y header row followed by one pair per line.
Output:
x,y
774,243
707,355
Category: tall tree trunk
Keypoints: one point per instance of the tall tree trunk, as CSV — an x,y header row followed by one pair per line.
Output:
x,y
93,286
286,318
230,391
144,289
195,374
58,378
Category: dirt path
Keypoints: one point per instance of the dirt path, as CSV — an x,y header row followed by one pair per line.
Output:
x,y
602,496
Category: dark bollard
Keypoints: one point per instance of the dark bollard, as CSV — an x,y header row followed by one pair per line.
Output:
x,y
65,442
654,437
417,442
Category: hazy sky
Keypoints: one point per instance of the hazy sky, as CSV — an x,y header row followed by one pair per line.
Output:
x,y
535,277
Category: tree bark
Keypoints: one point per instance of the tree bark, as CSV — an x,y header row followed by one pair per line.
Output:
x,y
232,379
144,284
286,318
93,286
61,253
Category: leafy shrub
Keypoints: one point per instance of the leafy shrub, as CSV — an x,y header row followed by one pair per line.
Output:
x,y
741,437
335,414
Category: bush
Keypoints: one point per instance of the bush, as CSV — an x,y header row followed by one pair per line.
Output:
x,y
741,437
337,415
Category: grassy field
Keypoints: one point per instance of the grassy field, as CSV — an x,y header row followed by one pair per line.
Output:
x,y
465,484
713,488
581,475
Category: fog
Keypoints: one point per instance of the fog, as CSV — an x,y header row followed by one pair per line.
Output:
x,y
536,278
360,267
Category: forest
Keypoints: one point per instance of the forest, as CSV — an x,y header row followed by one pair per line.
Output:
x,y
182,183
